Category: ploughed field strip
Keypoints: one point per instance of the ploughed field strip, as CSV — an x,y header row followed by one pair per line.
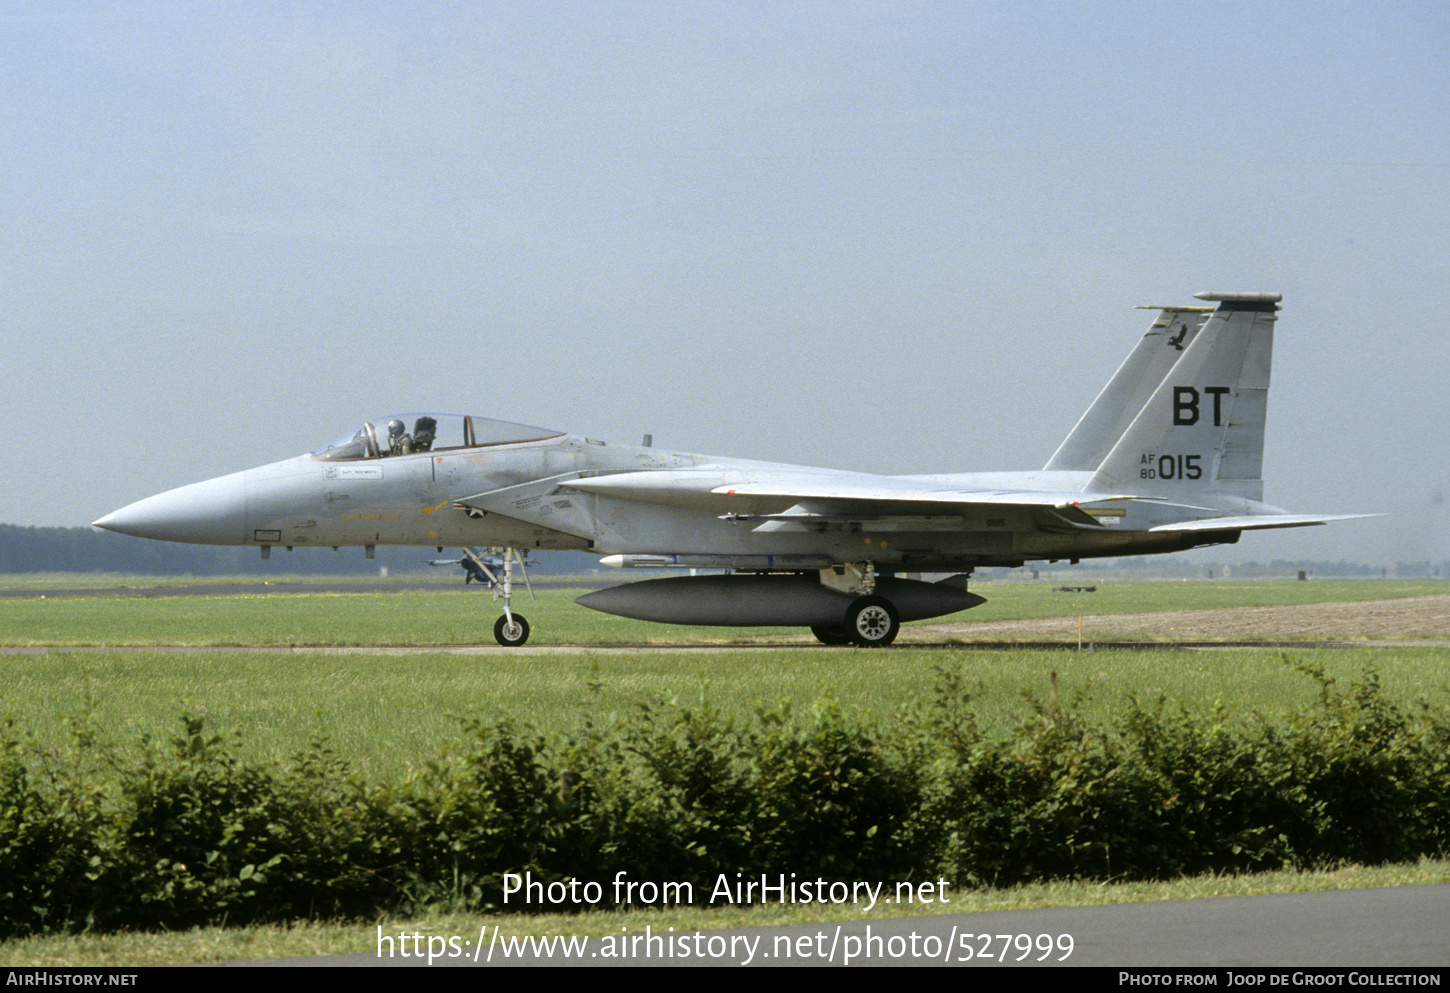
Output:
x,y
1417,618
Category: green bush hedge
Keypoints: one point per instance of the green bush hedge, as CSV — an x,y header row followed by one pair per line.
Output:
x,y
187,833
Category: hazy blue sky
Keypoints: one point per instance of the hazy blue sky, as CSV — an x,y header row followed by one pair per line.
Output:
x,y
891,237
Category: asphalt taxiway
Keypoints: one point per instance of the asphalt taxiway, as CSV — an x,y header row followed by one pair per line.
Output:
x,y
1406,927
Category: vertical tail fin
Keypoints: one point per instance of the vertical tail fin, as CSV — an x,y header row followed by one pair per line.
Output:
x,y
1120,401
1201,433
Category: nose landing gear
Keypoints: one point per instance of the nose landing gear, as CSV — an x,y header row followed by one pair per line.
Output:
x,y
510,630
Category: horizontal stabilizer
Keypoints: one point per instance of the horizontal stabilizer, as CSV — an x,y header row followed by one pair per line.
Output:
x,y
1258,522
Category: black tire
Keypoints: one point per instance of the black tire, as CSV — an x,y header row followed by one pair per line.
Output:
x,y
831,636
511,636
872,622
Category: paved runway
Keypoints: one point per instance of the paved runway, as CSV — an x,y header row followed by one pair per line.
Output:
x,y
1405,926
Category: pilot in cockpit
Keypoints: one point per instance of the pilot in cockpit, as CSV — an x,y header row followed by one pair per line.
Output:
x,y
398,441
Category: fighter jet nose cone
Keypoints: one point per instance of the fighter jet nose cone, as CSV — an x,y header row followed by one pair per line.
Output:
x,y
209,513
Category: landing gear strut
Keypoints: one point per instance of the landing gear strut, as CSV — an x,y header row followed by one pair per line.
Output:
x,y
510,630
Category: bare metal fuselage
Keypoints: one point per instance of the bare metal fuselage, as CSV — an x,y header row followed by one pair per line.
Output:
x,y
528,496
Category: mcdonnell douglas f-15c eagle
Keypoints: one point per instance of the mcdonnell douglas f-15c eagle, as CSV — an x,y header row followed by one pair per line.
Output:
x,y
1168,457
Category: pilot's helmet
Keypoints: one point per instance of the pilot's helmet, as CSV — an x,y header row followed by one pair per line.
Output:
x,y
395,428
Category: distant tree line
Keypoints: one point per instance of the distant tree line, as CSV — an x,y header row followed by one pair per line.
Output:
x,y
33,549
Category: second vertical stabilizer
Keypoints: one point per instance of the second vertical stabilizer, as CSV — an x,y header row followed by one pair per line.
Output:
x,y
1130,388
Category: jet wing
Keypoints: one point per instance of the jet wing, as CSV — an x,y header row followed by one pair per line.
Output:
x,y
720,487
779,498
845,497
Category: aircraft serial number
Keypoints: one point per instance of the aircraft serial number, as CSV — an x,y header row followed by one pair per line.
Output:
x,y
1170,467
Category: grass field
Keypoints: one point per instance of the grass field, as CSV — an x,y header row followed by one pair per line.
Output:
x,y
387,711
392,708
464,615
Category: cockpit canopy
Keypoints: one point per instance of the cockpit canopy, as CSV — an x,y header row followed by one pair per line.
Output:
x,y
408,434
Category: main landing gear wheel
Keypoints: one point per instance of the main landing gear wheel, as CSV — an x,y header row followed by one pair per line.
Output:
x,y
872,622
511,635
831,636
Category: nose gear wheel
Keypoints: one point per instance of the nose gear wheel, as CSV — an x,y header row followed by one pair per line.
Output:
x,y
511,630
